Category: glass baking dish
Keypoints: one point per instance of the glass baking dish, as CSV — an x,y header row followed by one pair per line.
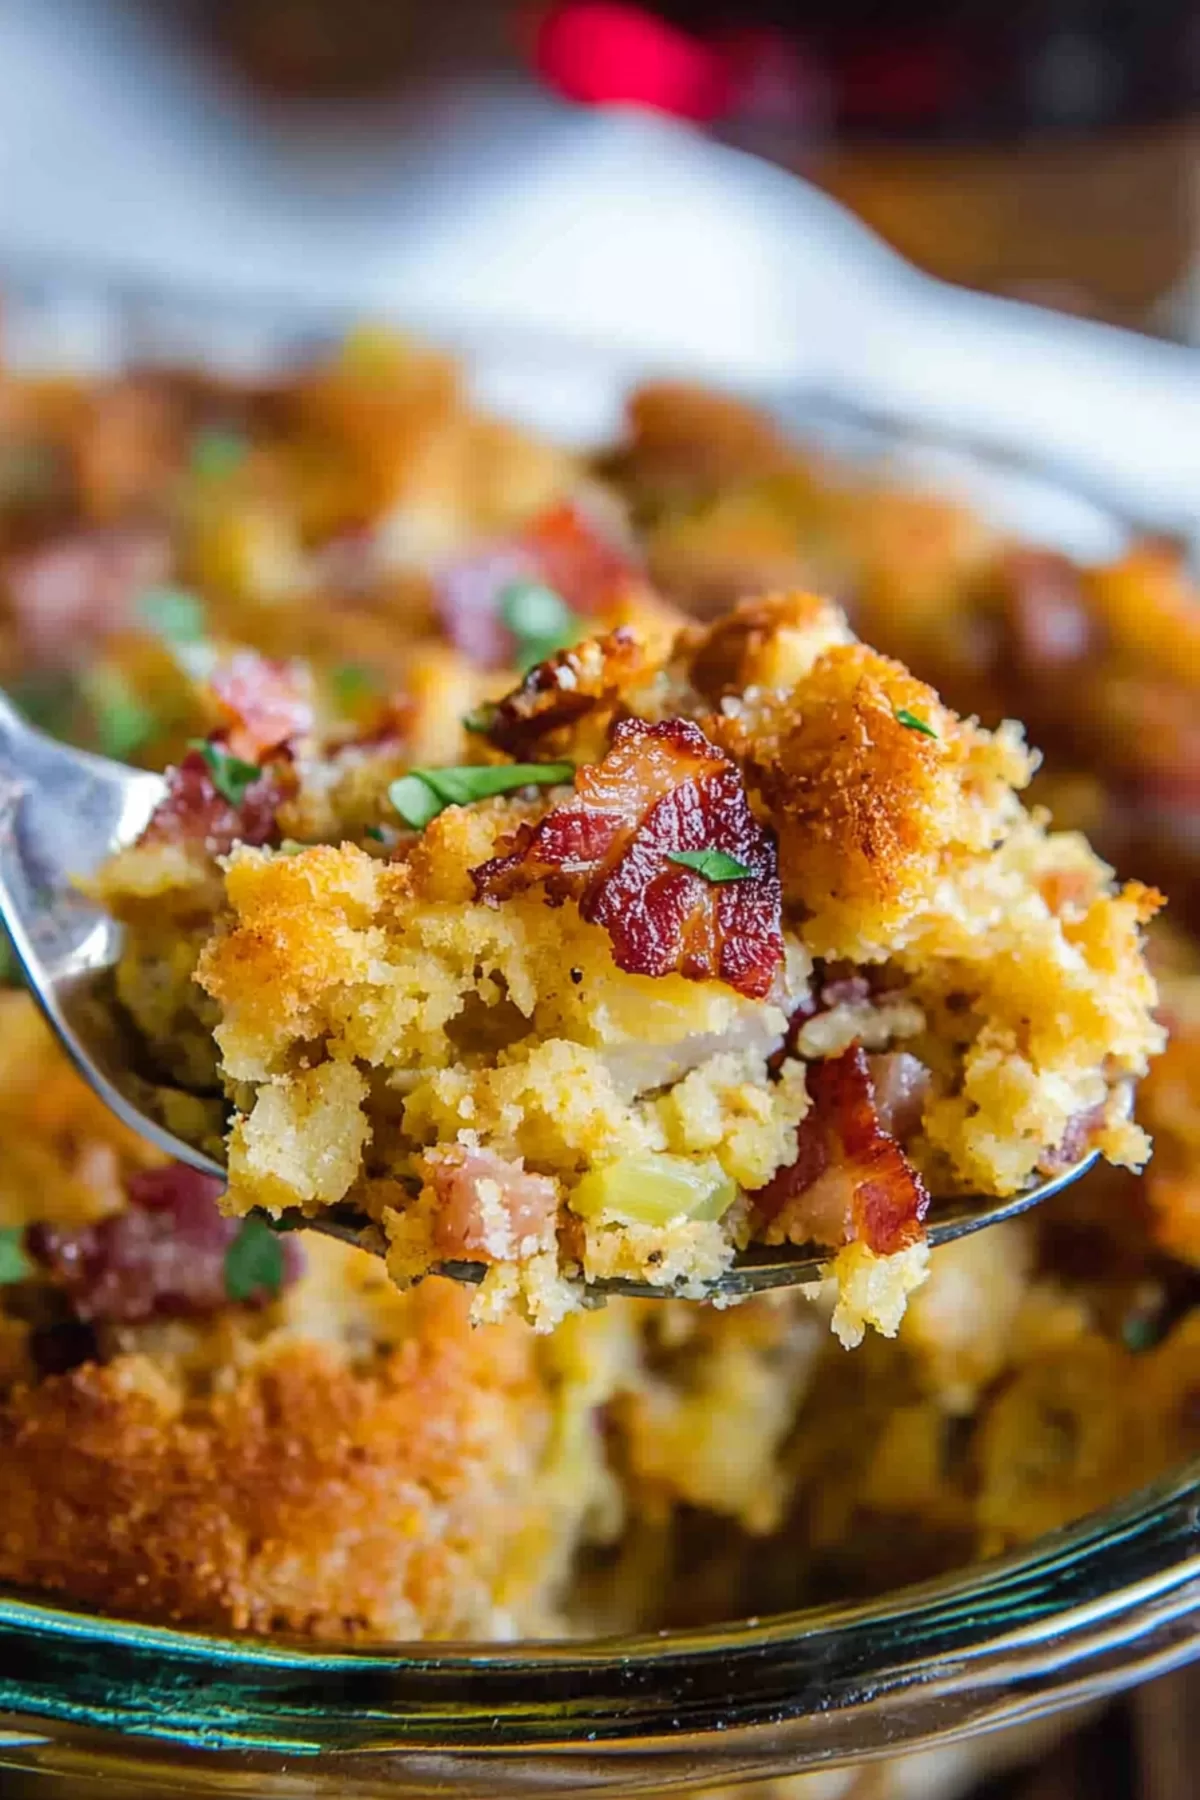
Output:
x,y
1080,1613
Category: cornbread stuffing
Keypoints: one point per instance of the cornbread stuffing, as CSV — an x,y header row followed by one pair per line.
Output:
x,y
768,963
569,936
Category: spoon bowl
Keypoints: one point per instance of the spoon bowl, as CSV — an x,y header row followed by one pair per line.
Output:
x,y
63,812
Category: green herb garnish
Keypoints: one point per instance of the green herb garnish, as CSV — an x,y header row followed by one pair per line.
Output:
x,y
714,865
540,620
48,700
14,1264
374,833
173,614
253,1261
29,473
217,453
421,795
123,723
904,717
353,682
1139,1332
480,721
231,777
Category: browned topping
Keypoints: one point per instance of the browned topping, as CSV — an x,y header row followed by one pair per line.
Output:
x,y
557,694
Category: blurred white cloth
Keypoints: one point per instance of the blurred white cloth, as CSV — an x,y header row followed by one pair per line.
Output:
x,y
485,208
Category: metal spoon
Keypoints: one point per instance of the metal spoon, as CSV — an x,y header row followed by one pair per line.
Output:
x,y
62,813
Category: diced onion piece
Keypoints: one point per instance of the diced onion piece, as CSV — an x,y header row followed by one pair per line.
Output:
x,y
655,1189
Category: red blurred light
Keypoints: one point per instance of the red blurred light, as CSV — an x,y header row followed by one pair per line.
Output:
x,y
605,54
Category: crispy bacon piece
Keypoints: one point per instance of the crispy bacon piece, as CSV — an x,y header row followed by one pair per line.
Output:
x,y
468,597
1076,1140
557,694
489,1209
661,788
575,559
902,1083
1050,628
833,984
80,588
560,549
163,1256
264,704
194,812
850,1179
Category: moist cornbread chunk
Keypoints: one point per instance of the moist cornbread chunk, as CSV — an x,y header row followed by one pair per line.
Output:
x,y
772,951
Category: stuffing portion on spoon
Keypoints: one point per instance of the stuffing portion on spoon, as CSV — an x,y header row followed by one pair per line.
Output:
x,y
739,938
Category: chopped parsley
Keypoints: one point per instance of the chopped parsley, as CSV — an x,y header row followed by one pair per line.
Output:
x,y
904,717
29,473
173,614
540,620
420,796
124,724
218,452
10,968
714,865
231,777
375,833
1140,1332
49,700
481,719
253,1261
14,1264
353,683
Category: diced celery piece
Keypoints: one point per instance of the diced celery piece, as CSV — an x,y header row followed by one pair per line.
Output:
x,y
654,1189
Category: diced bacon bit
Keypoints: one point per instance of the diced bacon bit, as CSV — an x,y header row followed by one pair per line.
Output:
x,y
265,704
1063,888
346,565
1049,625
901,1083
660,789
560,549
164,1256
832,985
194,812
850,1180
559,693
71,593
845,990
468,602
1076,1140
488,1209
576,560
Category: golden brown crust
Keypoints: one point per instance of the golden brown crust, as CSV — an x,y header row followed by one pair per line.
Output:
x,y
694,438
301,1495
871,782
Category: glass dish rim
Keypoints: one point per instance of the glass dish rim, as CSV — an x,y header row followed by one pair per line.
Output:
x,y
918,1654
